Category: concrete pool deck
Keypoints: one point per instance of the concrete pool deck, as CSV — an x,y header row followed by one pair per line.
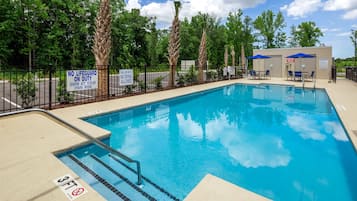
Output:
x,y
28,142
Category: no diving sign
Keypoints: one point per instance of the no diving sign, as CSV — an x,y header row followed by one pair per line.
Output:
x,y
70,187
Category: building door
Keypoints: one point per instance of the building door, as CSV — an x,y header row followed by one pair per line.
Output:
x,y
274,65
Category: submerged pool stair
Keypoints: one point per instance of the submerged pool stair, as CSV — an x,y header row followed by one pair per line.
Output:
x,y
107,174
113,176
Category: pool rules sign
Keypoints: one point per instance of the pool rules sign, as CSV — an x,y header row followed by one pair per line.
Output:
x,y
70,187
78,80
126,77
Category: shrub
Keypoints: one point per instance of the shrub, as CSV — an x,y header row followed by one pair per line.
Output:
x,y
158,82
141,85
129,89
191,76
180,80
26,89
212,75
63,96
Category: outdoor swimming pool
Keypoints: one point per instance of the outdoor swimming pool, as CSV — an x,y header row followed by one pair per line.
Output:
x,y
282,142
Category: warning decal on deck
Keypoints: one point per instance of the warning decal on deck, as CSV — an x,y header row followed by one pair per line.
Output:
x,y
70,187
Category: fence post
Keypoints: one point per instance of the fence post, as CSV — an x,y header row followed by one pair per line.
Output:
x,y
145,71
50,88
108,81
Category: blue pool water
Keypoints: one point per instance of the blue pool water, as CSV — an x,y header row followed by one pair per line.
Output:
x,y
282,142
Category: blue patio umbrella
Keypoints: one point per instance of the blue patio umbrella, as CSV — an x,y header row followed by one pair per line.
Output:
x,y
300,55
259,56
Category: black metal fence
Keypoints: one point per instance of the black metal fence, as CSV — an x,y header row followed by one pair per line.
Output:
x,y
351,73
20,89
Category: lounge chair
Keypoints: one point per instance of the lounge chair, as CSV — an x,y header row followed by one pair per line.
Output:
x,y
311,76
267,74
253,74
297,75
290,75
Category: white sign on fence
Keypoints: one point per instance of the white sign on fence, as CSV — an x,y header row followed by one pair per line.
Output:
x,y
78,80
126,77
70,187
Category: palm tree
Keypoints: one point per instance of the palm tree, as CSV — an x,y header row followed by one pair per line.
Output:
x,y
225,56
202,57
242,55
174,44
233,53
102,45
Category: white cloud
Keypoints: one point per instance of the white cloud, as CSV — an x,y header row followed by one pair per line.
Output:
x,y
189,127
350,15
304,192
131,145
324,30
159,123
307,128
165,11
330,30
350,6
334,5
336,130
301,8
268,150
334,30
132,4
343,34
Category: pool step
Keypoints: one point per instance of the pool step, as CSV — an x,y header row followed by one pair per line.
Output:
x,y
99,178
131,184
121,184
119,178
155,188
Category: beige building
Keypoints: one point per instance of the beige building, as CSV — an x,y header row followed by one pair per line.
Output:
x,y
279,64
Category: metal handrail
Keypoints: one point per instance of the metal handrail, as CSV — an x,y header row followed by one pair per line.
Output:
x,y
84,134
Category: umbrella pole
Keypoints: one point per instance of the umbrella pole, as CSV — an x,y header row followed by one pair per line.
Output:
x,y
302,74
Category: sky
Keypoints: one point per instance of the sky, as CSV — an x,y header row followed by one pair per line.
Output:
x,y
335,18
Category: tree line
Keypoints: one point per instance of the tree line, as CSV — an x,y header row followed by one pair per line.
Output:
x,y
41,33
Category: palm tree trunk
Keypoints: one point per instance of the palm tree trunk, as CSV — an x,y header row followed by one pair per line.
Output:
x,y
102,46
174,44
202,57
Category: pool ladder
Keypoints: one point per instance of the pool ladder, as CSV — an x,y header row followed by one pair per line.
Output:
x,y
84,134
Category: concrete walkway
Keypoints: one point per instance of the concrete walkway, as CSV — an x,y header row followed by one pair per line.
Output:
x,y
28,141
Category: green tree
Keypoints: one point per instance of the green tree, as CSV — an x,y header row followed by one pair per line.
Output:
x,y
235,31
130,40
8,17
353,38
270,27
307,34
189,40
240,32
33,14
293,41
191,33
162,45
152,40
216,40
248,36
